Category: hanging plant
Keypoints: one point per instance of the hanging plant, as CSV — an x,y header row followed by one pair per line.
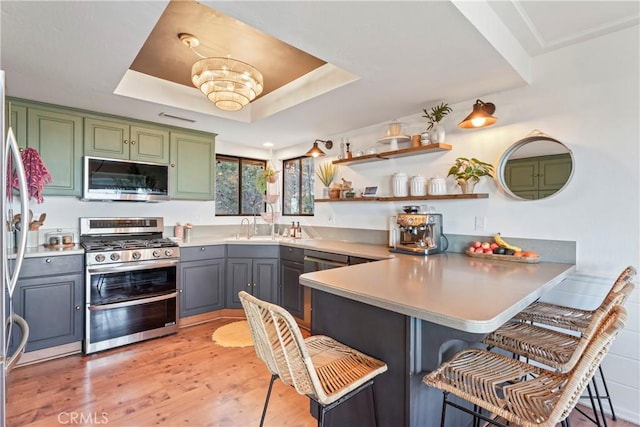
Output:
x,y
268,176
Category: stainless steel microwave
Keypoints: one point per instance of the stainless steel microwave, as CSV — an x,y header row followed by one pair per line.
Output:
x,y
112,179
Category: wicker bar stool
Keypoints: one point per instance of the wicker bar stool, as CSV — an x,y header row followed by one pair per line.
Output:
x,y
511,336
513,391
325,370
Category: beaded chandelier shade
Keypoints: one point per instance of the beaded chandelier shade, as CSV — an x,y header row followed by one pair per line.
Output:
x,y
228,83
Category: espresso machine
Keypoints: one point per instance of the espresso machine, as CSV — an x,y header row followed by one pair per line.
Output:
x,y
420,234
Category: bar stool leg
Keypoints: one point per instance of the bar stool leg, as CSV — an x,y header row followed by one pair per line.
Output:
x,y
607,396
266,402
444,408
598,398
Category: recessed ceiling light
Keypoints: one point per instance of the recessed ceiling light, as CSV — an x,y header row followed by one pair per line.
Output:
x,y
268,144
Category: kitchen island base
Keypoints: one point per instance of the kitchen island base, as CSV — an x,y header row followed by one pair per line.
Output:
x,y
410,347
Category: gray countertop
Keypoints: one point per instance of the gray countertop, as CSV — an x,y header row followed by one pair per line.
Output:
x,y
453,290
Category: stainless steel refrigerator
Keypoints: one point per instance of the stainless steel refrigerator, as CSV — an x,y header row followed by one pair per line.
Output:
x,y
13,326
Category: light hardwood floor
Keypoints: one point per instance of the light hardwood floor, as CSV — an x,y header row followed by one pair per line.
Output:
x,y
180,380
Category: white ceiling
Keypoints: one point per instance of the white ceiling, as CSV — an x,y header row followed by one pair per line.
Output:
x,y
406,56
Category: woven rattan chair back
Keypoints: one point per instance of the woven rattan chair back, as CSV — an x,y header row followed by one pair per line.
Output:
x,y
518,392
582,373
278,342
628,275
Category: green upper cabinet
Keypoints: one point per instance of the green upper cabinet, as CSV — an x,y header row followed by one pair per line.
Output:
x,y
192,166
57,135
125,140
17,119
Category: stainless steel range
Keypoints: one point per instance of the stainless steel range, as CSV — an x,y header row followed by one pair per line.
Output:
x,y
131,281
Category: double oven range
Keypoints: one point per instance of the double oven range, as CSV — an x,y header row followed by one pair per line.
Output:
x,y
131,281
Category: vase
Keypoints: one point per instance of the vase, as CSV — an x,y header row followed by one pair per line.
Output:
x,y
437,134
334,193
467,186
325,192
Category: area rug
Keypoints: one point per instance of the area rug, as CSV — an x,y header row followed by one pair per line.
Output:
x,y
234,334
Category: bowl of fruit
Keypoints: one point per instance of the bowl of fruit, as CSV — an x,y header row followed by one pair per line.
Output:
x,y
499,249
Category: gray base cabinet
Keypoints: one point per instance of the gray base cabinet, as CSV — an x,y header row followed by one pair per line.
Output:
x,y
291,292
252,273
202,274
50,296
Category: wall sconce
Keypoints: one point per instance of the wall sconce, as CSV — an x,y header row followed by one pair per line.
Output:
x,y
481,116
316,151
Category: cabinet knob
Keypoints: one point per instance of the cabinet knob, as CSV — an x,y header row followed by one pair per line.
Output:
x,y
126,141
77,307
202,249
48,260
180,291
248,285
173,165
133,143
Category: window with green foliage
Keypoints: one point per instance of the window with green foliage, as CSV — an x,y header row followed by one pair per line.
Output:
x,y
236,192
297,198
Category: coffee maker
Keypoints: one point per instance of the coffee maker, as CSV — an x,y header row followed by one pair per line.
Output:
x,y
420,234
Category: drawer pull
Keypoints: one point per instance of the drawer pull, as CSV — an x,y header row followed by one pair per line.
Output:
x,y
203,249
48,260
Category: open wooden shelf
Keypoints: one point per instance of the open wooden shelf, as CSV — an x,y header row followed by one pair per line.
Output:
x,y
407,199
403,152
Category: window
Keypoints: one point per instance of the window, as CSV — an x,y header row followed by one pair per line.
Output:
x,y
236,192
297,196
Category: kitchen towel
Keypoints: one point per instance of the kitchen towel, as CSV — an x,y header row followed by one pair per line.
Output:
x,y
36,173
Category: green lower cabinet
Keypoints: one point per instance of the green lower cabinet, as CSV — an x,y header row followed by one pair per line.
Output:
x,y
192,166
57,135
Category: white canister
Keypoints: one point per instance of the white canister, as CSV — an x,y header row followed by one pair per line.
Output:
x,y
418,186
437,186
400,184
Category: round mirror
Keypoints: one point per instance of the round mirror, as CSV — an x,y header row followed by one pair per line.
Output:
x,y
535,167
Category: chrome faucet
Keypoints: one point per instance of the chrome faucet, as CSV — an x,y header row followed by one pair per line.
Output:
x,y
248,227
255,226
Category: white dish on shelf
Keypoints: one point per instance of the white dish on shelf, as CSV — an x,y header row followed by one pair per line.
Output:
x,y
398,139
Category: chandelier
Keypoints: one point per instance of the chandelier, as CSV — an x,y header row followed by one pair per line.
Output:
x,y
228,83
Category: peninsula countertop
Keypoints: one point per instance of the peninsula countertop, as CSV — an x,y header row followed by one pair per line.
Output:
x,y
454,290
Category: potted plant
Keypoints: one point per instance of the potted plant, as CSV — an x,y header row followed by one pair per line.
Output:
x,y
268,176
469,171
326,173
434,117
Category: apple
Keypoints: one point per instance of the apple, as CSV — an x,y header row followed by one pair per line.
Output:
x,y
487,251
485,245
477,244
494,245
471,249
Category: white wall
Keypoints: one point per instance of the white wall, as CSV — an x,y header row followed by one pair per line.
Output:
x,y
586,96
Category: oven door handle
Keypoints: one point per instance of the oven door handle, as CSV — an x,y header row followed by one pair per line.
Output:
x,y
132,266
133,302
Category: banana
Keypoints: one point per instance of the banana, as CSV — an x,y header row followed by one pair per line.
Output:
x,y
498,239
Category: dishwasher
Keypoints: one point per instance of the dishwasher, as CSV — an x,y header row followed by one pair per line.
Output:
x,y
317,261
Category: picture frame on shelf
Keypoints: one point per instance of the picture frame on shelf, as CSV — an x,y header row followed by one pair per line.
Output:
x,y
370,191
